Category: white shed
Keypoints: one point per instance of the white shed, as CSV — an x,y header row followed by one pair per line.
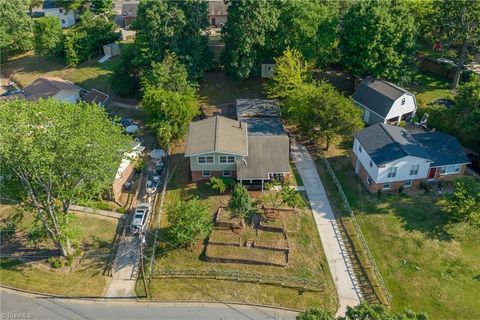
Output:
x,y
111,50
268,70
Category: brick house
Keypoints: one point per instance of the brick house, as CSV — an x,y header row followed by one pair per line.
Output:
x,y
387,157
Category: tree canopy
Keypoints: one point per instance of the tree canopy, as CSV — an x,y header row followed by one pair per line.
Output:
x,y
175,26
56,154
189,222
48,37
15,28
378,38
464,204
459,23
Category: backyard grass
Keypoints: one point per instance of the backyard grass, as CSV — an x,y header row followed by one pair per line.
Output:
x,y
307,258
26,68
428,87
429,263
32,272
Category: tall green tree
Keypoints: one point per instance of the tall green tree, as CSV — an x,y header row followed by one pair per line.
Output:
x,y
378,38
467,112
249,24
58,153
48,37
309,26
459,23
175,26
101,6
125,78
169,113
15,28
464,204
189,222
291,71
321,112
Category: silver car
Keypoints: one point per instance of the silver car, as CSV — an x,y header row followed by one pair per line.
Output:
x,y
140,217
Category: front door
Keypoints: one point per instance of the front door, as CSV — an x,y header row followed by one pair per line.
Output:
x,y
214,22
431,173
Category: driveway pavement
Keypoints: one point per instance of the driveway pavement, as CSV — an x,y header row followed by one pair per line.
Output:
x,y
15,305
333,245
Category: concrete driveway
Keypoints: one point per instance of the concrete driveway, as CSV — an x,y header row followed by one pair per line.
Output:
x,y
333,245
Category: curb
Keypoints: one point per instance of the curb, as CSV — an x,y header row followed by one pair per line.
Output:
x,y
145,301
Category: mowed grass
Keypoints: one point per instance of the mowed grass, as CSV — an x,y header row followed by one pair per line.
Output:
x,y
307,258
26,68
84,279
429,262
428,87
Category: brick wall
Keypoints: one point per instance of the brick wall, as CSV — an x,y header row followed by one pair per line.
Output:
x,y
117,185
450,177
197,175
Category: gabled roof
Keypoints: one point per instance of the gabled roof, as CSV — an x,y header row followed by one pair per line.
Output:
x,y
217,134
248,108
385,143
378,95
442,148
266,154
45,87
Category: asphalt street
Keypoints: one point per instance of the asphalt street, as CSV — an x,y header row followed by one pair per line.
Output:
x,y
16,305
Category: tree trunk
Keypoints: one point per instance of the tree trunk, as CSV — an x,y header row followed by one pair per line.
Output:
x,y
461,62
327,144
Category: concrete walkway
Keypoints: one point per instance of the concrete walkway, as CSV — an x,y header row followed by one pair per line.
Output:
x,y
338,261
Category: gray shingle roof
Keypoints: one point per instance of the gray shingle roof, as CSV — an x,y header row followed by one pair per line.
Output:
x,y
217,134
45,87
264,126
385,143
266,154
378,95
247,108
442,148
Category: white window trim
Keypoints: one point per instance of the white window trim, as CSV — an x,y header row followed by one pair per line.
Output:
x,y
455,169
229,173
392,172
414,168
369,180
227,159
389,185
206,175
203,163
409,185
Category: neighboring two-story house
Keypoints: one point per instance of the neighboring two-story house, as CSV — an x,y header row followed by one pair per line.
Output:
x,y
66,17
387,157
384,102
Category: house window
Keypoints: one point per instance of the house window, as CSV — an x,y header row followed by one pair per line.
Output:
x,y
63,21
227,159
60,10
450,169
206,173
408,183
414,169
386,186
227,173
360,148
369,180
371,163
392,172
205,159
403,101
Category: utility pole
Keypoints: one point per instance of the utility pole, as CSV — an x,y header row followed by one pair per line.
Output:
x,y
142,268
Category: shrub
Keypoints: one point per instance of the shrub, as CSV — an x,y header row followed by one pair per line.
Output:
x,y
121,210
220,184
464,204
56,262
8,230
69,260
315,314
240,202
400,189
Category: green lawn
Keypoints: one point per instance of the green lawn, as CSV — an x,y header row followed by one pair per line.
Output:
x,y
428,87
84,278
429,262
307,259
26,68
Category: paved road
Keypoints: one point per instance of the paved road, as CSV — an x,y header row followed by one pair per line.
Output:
x,y
338,261
13,303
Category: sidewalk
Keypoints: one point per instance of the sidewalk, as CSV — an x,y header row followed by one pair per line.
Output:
x,y
333,245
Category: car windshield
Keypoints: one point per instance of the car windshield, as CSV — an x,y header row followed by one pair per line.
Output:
x,y
139,216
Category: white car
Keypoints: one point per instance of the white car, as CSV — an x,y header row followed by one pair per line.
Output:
x,y
139,217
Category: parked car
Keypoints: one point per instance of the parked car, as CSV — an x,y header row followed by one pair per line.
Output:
x,y
152,183
139,217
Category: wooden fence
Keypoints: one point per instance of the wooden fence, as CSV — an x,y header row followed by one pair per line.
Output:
x,y
284,281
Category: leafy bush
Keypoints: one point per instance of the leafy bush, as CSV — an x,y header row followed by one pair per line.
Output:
x,y
315,314
56,262
121,210
8,230
189,221
464,204
221,184
240,202
35,236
